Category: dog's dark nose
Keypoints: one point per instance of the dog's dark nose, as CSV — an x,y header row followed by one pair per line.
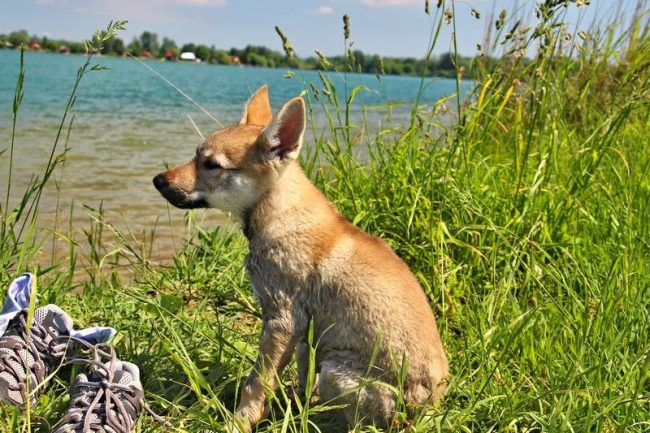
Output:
x,y
159,181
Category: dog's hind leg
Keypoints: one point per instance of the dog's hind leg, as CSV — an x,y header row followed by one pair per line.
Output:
x,y
366,401
302,365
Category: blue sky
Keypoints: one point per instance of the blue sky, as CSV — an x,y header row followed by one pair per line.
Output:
x,y
385,27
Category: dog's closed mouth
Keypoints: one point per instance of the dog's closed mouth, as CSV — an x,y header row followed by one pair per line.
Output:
x,y
189,203
176,196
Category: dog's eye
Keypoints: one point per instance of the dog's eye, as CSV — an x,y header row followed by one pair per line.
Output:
x,y
211,165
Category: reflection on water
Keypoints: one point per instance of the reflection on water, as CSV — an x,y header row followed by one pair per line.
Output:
x,y
128,124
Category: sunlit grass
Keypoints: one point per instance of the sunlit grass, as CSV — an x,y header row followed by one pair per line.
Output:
x,y
525,218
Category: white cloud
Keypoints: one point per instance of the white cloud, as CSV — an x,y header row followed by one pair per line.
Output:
x,y
127,9
325,10
201,2
387,3
130,5
148,10
52,2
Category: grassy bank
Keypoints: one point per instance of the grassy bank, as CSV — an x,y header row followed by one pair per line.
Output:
x,y
526,221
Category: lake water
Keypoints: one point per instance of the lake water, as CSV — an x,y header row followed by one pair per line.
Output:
x,y
128,122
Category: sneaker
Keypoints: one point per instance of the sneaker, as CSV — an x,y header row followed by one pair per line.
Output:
x,y
108,400
29,354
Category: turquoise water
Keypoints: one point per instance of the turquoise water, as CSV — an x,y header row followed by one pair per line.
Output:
x,y
128,122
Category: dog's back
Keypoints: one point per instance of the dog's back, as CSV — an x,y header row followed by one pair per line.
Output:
x,y
369,312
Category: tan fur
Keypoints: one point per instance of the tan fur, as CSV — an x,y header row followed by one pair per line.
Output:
x,y
307,263
257,110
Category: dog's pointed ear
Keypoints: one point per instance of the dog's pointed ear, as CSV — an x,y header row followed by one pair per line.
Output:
x,y
282,139
258,108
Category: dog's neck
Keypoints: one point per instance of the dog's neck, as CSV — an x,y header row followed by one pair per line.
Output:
x,y
291,207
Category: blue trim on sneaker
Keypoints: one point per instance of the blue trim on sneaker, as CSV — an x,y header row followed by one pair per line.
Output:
x,y
17,299
95,335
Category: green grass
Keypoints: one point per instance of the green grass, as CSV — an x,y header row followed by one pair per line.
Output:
x,y
525,219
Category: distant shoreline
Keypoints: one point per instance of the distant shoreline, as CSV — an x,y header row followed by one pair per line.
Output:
x,y
289,69
147,47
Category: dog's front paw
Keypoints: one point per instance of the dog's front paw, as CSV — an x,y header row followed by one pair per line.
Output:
x,y
246,417
239,424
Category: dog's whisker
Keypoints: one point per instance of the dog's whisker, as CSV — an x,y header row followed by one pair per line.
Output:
x,y
196,128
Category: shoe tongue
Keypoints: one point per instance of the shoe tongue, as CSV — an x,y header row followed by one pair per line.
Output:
x,y
122,377
53,317
80,378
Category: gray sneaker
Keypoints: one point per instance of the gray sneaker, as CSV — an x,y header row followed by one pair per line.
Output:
x,y
26,360
108,400
29,353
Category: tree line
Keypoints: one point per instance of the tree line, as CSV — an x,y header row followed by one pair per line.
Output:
x,y
149,45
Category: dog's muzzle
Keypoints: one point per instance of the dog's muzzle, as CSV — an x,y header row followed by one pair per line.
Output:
x,y
176,196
